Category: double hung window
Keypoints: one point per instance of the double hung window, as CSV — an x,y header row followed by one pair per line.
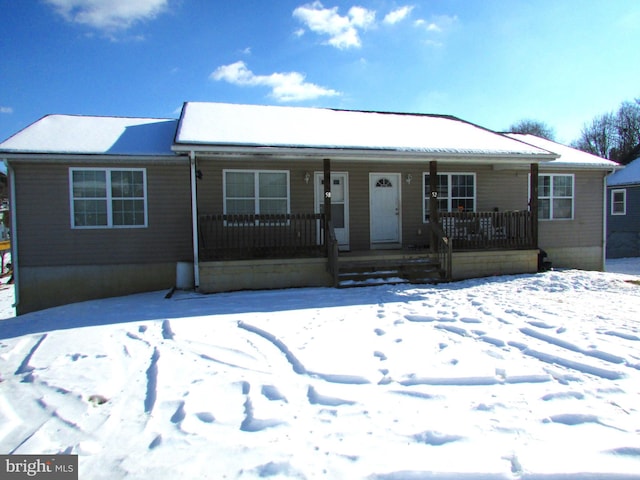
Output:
x,y
456,192
261,192
108,197
555,196
619,202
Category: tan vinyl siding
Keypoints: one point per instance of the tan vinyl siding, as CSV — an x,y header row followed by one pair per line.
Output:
x,y
496,188
44,223
586,228
505,190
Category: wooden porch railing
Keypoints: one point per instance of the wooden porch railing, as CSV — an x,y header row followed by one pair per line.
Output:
x,y
235,237
488,230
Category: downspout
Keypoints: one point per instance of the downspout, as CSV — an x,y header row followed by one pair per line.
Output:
x,y
14,235
605,196
194,222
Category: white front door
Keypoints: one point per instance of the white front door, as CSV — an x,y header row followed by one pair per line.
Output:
x,y
339,204
384,194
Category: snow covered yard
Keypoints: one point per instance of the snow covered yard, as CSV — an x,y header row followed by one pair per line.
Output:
x,y
528,377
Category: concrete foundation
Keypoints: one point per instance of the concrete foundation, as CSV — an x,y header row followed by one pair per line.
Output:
x,y
263,274
44,287
582,258
485,263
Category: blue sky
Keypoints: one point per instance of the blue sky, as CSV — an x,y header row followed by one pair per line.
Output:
x,y
491,62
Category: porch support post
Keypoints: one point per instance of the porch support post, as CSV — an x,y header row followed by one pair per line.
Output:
x,y
327,200
433,202
533,204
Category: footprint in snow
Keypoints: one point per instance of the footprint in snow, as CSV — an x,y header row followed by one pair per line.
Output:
x,y
572,419
420,318
155,442
435,439
317,399
626,451
273,394
205,417
540,324
563,395
380,355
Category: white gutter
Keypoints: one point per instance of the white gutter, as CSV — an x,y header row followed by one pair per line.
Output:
x,y
357,154
194,221
43,157
14,235
604,221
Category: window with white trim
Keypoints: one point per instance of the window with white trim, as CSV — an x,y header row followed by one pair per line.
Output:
x,y
456,192
555,196
108,197
619,201
256,192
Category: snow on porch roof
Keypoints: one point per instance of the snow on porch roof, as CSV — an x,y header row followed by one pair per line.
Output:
x,y
232,125
78,134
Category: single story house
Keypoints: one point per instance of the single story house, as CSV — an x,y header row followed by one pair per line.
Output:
x,y
623,212
250,197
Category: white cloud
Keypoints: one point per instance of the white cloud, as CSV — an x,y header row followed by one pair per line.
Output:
x,y
285,87
438,23
343,31
6,109
398,15
108,15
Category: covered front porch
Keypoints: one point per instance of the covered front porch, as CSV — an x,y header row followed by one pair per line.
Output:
x,y
256,251
281,251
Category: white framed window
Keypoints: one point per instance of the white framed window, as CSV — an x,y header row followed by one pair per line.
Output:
x,y
619,201
256,192
456,192
108,197
555,196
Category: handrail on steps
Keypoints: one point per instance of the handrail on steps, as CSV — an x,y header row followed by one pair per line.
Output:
x,y
332,253
443,249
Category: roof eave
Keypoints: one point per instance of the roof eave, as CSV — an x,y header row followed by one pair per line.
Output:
x,y
355,154
623,185
40,157
581,166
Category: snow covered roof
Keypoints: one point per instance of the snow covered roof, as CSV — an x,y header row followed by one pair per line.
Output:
x,y
629,175
225,125
77,134
568,157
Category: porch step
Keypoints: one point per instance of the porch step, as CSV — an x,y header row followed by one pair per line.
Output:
x,y
372,271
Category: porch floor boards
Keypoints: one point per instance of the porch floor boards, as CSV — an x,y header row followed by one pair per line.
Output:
x,y
360,268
